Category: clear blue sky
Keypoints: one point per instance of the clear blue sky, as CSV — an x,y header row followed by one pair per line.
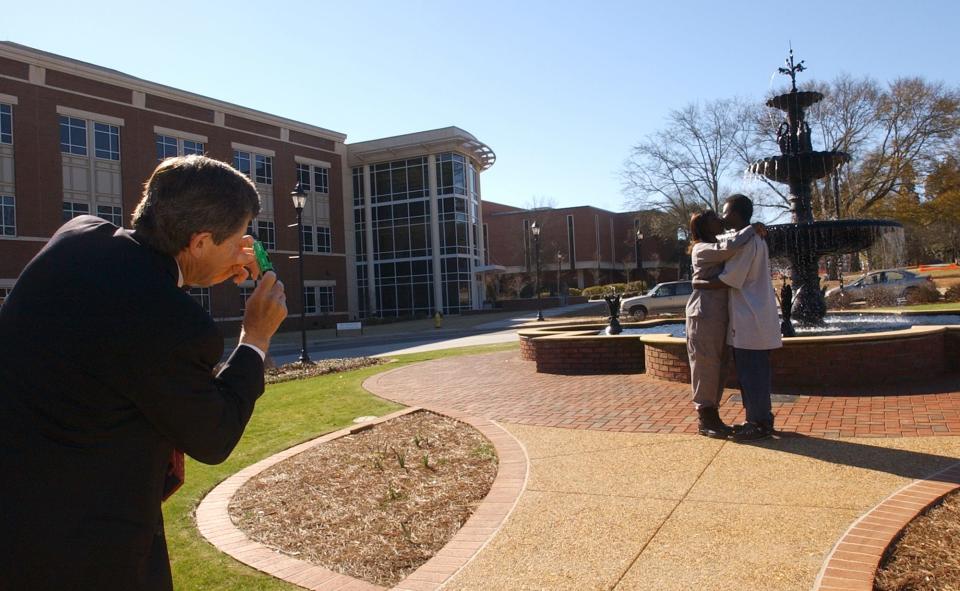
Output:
x,y
559,90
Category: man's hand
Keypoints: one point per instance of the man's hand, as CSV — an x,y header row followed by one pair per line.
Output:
x,y
760,229
265,310
246,266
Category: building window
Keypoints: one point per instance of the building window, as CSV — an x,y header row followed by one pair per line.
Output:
x,y
8,216
6,124
323,239
192,147
4,294
166,147
307,238
245,293
202,296
318,299
303,176
451,174
72,209
110,213
325,299
358,186
73,136
264,171
486,246
320,180
526,244
309,300
241,161
266,234
571,243
399,180
106,141
169,147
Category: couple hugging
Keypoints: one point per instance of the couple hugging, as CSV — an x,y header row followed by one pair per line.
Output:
x,y
733,307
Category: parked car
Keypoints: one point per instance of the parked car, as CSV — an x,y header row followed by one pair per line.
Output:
x,y
899,282
664,298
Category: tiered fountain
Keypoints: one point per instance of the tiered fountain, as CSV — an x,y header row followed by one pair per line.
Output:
x,y
804,241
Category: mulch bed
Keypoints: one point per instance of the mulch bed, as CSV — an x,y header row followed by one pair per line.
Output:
x,y
299,371
926,557
374,505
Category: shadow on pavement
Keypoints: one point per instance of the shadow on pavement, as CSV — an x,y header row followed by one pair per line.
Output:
x,y
899,462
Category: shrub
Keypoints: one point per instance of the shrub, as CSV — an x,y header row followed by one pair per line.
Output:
x,y
615,287
636,287
925,293
573,291
594,291
952,294
840,300
878,297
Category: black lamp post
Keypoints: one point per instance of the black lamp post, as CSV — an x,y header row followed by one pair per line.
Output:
x,y
637,254
559,262
535,229
299,200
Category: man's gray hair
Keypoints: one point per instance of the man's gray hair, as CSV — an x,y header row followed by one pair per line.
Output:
x,y
192,194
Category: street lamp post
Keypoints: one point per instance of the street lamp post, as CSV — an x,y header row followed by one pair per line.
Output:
x,y
559,262
638,254
535,228
299,200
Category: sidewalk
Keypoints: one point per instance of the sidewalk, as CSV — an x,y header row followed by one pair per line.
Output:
x,y
412,335
660,508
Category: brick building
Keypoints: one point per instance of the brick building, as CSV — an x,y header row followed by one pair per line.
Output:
x,y
595,247
76,138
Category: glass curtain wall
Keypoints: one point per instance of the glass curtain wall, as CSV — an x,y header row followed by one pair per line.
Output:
x,y
402,250
402,246
458,206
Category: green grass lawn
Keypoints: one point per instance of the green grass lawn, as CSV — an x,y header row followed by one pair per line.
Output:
x,y
287,414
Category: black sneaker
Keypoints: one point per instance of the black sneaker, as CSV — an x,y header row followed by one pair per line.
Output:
x,y
711,425
752,432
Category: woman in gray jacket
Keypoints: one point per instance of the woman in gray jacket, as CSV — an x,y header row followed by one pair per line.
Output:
x,y
707,318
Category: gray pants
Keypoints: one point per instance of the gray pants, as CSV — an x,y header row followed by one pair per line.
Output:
x,y
753,372
708,353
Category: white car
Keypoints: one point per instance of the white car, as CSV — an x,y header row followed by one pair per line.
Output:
x,y
664,298
897,281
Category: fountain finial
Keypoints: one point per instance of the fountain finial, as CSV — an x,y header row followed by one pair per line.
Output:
x,y
792,69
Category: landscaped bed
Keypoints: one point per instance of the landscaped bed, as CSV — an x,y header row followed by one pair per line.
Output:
x,y
374,505
927,555
299,371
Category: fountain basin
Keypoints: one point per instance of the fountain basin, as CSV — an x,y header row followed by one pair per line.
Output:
x,y
787,168
821,362
791,102
817,239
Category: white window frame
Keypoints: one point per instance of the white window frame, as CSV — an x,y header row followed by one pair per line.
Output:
x,y
8,114
329,241
73,206
113,135
271,244
201,295
71,123
4,227
115,216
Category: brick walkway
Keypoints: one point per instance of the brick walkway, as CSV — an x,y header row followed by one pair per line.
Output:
x,y
503,387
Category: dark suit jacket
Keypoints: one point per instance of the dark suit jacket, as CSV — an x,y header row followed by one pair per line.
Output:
x,y
105,368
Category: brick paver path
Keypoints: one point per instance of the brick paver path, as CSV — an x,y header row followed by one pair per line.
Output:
x,y
503,387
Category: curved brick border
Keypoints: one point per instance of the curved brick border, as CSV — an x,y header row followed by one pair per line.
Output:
x,y
852,563
213,518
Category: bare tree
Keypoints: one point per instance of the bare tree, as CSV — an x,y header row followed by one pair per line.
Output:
x,y
683,168
536,202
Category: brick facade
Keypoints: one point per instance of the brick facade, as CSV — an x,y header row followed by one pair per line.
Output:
x,y
37,161
603,245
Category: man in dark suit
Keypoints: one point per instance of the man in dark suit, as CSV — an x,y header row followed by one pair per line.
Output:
x,y
106,368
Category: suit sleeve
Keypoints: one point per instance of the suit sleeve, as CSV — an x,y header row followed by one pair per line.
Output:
x,y
201,414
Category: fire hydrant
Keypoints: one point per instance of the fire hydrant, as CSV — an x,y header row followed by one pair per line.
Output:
x,y
438,320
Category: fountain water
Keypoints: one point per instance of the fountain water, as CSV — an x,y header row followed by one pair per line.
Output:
x,y
805,240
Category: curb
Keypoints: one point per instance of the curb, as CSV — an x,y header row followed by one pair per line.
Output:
x,y
213,519
853,562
